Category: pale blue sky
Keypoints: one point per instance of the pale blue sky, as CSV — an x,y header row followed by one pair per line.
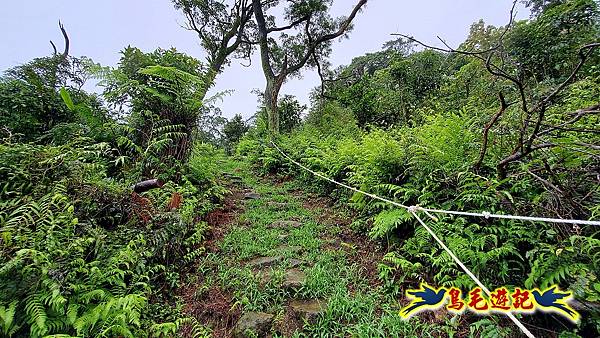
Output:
x,y
100,29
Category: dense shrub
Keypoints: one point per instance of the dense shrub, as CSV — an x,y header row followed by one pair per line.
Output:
x,y
83,255
432,165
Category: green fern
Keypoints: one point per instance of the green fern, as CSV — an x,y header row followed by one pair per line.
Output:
x,y
388,221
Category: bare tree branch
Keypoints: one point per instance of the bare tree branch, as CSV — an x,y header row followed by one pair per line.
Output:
x,y
450,49
584,53
290,26
65,52
486,130
545,182
502,165
53,48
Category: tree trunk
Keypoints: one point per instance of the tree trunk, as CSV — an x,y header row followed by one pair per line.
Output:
x,y
271,98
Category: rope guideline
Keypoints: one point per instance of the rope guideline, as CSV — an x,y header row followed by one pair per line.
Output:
x,y
414,209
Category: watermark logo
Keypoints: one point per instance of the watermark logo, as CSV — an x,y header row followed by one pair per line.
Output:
x,y
500,300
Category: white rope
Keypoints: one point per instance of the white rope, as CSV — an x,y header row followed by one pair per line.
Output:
x,y
486,214
468,272
413,210
483,214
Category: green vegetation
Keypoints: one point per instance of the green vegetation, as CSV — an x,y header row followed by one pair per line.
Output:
x,y
408,124
81,253
355,306
140,211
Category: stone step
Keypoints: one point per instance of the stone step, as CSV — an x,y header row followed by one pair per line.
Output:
x,y
263,262
285,224
293,279
265,276
308,310
294,263
253,324
251,196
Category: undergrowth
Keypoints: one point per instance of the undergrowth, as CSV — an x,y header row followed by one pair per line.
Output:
x,y
83,256
432,166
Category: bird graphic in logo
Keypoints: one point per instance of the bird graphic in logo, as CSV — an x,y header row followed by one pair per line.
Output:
x,y
423,298
555,301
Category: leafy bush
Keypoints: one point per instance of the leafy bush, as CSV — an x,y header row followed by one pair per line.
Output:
x,y
80,254
432,165
202,166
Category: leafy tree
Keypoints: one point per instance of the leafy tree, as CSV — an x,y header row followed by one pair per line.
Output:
x,y
360,98
386,88
538,6
290,111
408,83
233,131
286,55
30,100
545,48
29,110
370,63
223,30
353,85
210,125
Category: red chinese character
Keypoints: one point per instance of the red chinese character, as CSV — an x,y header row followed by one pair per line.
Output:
x,y
456,304
476,299
521,300
499,299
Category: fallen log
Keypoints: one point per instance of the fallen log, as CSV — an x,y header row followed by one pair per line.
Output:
x,y
144,186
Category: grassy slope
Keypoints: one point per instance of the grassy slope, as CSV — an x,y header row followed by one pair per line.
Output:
x,y
340,268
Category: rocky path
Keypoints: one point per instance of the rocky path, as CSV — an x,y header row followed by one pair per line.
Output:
x,y
281,262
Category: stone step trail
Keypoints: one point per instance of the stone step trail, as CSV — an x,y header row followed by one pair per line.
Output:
x,y
305,311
